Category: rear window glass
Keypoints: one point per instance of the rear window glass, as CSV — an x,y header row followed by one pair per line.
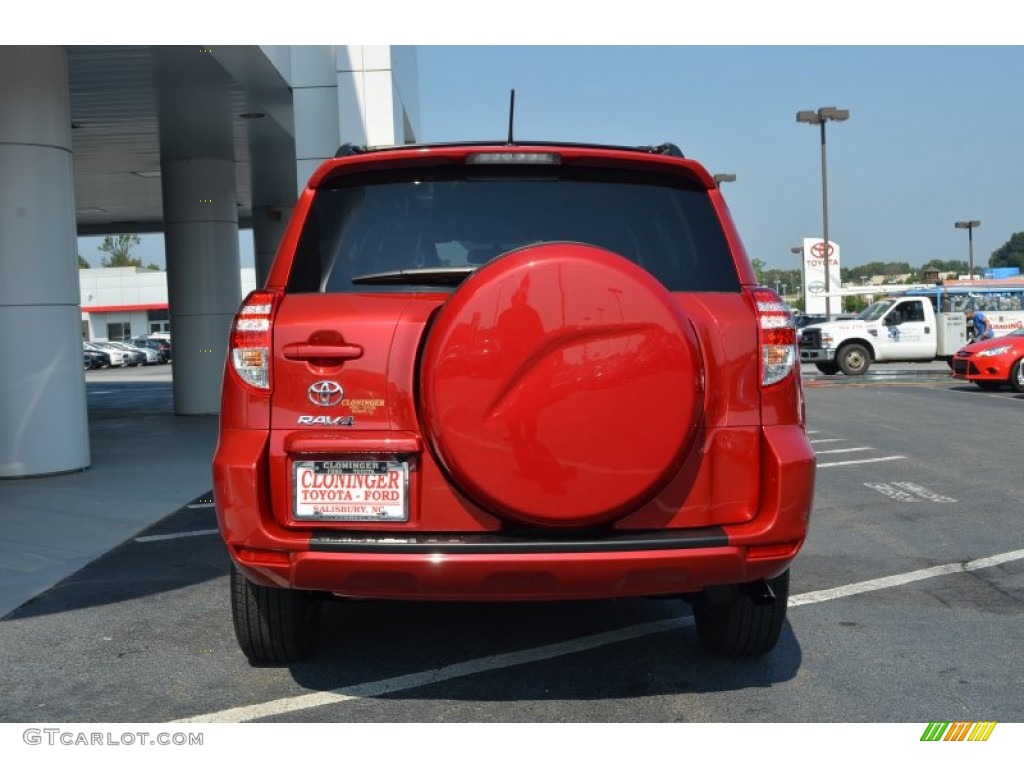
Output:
x,y
460,217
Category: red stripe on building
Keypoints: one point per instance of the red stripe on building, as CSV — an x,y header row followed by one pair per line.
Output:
x,y
125,308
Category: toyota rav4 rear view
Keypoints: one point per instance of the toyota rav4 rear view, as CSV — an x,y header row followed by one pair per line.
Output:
x,y
512,372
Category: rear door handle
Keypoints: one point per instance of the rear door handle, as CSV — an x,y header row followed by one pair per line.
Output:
x,y
323,351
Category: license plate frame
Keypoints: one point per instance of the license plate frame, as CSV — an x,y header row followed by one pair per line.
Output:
x,y
350,490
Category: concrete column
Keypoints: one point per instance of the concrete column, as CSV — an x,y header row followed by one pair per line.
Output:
x,y
272,153
197,178
268,226
43,419
203,282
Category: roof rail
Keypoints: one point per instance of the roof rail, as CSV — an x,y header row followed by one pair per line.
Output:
x,y
348,149
668,148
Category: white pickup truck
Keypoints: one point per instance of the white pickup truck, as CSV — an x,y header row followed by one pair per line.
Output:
x,y
898,329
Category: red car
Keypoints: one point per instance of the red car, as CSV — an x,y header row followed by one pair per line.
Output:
x,y
512,372
993,363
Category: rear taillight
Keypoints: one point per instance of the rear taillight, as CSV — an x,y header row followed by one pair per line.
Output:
x,y
776,336
251,335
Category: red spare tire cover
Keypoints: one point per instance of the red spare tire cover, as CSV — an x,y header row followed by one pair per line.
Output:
x,y
561,385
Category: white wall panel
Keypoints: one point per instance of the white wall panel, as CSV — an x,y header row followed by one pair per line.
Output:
x,y
376,57
379,107
312,66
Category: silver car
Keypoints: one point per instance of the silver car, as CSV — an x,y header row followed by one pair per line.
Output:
x,y
148,356
118,356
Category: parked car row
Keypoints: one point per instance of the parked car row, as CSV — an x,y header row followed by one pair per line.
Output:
x,y
160,345
140,351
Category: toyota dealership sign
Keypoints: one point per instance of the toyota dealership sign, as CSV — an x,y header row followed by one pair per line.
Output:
x,y
816,255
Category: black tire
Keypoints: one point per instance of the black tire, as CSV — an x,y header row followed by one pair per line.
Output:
x,y
989,386
1017,376
854,359
273,626
733,621
829,369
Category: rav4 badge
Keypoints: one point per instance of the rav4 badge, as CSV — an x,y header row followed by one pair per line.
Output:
x,y
329,421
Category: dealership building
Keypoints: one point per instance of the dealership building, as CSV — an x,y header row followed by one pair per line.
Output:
x,y
193,142
127,302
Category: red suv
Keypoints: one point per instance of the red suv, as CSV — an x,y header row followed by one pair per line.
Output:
x,y
512,372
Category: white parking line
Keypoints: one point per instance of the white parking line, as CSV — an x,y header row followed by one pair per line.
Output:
x,y
452,671
829,440
166,536
859,461
544,652
899,579
200,505
843,450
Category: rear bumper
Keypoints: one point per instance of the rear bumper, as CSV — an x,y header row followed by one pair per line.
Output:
x,y
471,566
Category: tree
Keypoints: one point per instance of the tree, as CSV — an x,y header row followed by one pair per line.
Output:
x,y
854,303
82,263
758,265
1011,254
153,267
120,249
951,265
785,281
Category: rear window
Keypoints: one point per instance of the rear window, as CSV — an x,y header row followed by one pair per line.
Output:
x,y
460,217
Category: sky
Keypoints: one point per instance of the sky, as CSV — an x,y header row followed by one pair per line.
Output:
x,y
935,133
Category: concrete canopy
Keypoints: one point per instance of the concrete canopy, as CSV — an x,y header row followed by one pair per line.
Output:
x,y
115,95
193,142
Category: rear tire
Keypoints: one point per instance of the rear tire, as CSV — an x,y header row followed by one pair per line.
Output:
x,y
273,626
733,622
829,369
854,360
1017,376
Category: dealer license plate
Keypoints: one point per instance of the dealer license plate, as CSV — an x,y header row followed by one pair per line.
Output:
x,y
351,490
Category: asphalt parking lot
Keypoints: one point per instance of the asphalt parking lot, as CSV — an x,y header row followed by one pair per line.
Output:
x,y
907,605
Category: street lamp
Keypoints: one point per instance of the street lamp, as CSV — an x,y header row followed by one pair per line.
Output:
x,y
969,226
799,251
722,178
821,117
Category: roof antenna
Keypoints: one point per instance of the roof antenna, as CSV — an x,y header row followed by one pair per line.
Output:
x,y
511,115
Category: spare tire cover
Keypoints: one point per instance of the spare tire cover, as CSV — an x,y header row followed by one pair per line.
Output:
x,y
561,385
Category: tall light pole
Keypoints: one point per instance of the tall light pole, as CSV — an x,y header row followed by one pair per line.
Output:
x,y
722,178
799,251
822,116
969,226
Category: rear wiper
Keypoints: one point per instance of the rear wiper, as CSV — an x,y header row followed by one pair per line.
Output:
x,y
420,276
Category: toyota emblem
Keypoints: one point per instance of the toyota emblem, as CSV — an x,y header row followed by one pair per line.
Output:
x,y
326,393
818,249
